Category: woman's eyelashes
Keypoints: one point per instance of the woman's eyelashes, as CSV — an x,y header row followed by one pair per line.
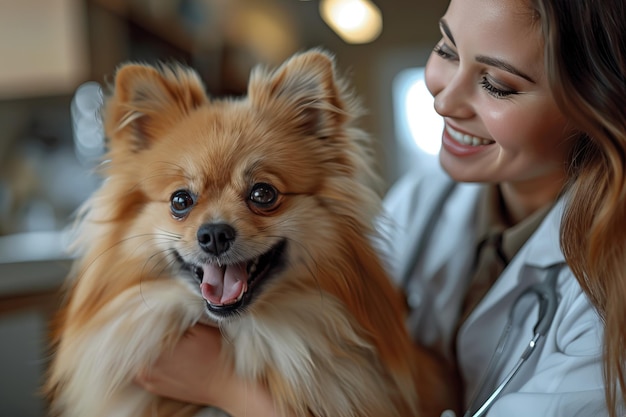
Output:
x,y
495,91
445,52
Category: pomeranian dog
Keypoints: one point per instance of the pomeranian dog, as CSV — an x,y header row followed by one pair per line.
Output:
x,y
255,214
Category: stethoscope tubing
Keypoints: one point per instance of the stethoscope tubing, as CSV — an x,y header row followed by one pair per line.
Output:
x,y
496,392
548,302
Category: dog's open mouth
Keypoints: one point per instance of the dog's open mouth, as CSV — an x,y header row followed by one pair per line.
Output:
x,y
228,288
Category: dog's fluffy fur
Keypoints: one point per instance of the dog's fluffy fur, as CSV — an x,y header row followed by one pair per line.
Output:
x,y
194,186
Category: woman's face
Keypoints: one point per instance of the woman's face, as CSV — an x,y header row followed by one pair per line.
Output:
x,y
488,79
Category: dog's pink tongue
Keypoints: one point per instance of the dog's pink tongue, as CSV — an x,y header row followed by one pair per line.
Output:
x,y
223,285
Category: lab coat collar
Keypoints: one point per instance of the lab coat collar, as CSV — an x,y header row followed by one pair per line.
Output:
x,y
543,249
540,252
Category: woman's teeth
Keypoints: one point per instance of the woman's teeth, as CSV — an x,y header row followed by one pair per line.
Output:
x,y
467,139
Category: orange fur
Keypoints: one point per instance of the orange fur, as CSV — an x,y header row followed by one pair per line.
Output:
x,y
325,332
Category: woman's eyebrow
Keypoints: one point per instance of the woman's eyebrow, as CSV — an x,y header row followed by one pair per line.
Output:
x,y
498,63
493,62
446,29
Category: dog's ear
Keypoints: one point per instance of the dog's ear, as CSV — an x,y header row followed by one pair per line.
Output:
x,y
147,101
307,90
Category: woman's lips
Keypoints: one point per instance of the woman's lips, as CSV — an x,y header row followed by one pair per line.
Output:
x,y
462,144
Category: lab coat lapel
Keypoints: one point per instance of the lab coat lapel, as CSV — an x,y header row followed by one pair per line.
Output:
x,y
478,336
541,251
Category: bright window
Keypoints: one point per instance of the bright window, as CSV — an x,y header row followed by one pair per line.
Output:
x,y
417,124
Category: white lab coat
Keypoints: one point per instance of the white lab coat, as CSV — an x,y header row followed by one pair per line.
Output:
x,y
563,376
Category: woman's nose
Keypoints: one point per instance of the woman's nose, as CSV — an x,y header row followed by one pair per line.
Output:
x,y
454,100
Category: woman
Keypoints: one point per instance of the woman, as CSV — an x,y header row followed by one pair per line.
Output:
x,y
533,94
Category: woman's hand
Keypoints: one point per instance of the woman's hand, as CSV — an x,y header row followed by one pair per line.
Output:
x,y
188,372
195,372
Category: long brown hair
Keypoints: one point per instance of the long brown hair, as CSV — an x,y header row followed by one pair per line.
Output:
x,y
585,52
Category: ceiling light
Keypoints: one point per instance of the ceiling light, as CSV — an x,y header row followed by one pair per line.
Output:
x,y
355,21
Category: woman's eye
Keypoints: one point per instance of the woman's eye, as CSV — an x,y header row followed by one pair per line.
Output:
x,y
181,203
495,91
444,51
263,195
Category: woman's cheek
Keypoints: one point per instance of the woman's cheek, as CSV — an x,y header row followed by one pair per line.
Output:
x,y
503,126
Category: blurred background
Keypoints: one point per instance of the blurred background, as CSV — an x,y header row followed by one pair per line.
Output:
x,y
56,53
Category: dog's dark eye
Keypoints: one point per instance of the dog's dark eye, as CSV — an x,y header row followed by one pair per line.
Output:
x,y
263,195
181,203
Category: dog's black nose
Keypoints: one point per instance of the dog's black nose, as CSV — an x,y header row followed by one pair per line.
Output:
x,y
216,238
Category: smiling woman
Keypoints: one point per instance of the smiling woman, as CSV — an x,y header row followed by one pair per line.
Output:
x,y
501,122
519,117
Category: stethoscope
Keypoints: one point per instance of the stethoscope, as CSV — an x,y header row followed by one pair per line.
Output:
x,y
547,299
